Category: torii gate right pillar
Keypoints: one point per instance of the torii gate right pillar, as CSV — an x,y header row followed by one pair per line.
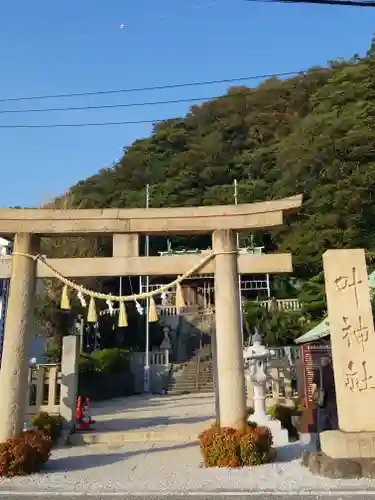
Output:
x,y
229,355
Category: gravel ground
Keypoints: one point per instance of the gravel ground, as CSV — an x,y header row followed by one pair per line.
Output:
x,y
141,467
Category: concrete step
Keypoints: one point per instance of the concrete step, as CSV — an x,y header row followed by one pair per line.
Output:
x,y
169,434
183,386
190,386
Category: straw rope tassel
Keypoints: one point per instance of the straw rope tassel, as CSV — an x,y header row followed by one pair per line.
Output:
x,y
65,301
92,317
152,312
103,296
122,317
180,301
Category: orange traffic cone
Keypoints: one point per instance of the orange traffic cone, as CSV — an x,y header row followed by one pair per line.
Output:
x,y
85,421
79,413
87,403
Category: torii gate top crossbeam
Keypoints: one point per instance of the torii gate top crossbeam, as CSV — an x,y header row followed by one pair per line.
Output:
x,y
42,221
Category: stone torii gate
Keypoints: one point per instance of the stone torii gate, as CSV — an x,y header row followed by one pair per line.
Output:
x,y
27,226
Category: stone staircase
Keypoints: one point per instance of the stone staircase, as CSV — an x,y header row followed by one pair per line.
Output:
x,y
205,375
195,375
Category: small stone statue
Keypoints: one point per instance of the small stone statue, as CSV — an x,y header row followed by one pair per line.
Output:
x,y
166,344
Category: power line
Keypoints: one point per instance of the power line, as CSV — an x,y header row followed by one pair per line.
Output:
x,y
347,3
130,122
97,124
114,106
145,103
140,103
155,87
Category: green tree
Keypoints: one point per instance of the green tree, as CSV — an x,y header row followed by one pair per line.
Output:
x,y
312,134
277,328
313,298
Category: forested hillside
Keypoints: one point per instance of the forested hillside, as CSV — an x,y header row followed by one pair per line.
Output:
x,y
312,134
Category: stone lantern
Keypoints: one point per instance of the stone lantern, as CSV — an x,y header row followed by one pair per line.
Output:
x,y
256,358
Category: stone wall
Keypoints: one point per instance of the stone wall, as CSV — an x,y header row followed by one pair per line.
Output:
x,y
159,376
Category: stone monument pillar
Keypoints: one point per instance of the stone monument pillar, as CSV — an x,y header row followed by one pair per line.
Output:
x,y
353,348
17,337
69,378
231,379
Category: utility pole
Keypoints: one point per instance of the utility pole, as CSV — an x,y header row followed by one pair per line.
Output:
x,y
146,373
239,276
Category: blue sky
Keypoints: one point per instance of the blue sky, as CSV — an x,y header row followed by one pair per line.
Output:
x,y
55,46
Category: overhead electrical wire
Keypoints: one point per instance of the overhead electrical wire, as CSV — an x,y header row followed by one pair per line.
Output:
x,y
114,106
153,103
128,122
144,103
347,3
202,100
154,87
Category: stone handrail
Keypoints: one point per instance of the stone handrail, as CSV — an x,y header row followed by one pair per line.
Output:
x,y
160,358
43,391
283,304
281,386
167,310
289,354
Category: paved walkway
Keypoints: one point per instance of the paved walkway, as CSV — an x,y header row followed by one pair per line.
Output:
x,y
150,418
167,468
171,466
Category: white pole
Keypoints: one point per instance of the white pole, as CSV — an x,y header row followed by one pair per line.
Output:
x,y
239,276
146,379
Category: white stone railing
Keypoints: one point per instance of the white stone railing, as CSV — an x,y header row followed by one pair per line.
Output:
x,y
290,354
283,304
160,358
281,386
167,310
44,389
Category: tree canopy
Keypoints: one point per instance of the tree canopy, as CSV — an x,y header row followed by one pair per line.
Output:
x,y
312,134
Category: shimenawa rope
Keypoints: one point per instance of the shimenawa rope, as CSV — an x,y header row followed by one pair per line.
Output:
x,y
123,298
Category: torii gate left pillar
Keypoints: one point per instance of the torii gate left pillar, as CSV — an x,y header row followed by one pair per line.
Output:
x,y
17,338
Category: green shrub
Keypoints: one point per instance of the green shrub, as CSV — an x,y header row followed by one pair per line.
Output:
x,y
41,443
111,361
226,447
24,454
50,425
284,414
86,364
52,352
249,411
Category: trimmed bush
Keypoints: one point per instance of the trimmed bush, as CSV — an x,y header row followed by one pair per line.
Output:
x,y
41,443
50,425
111,361
25,454
227,447
284,414
85,363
